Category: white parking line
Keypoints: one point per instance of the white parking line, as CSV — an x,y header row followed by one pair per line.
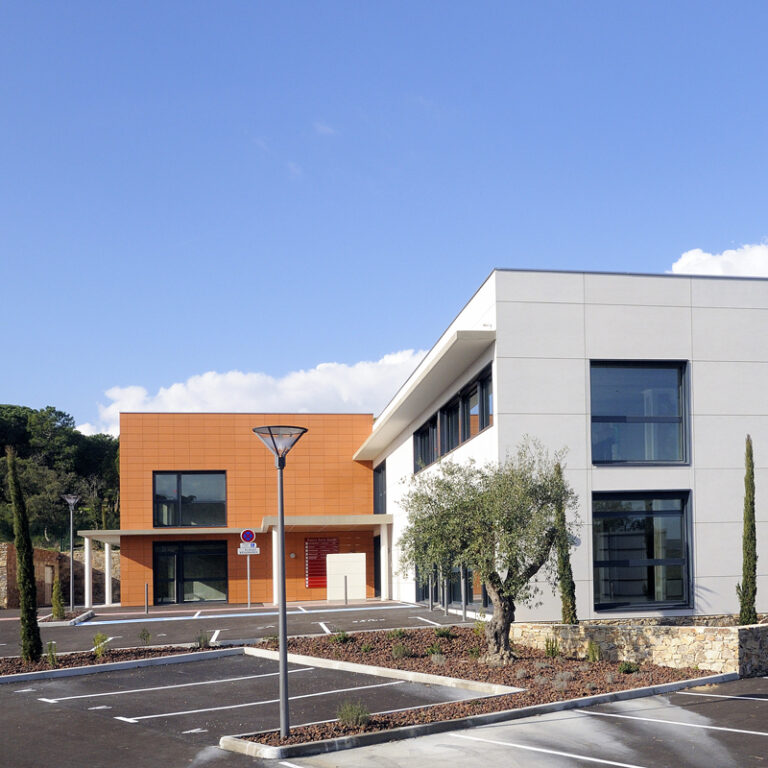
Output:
x,y
546,751
197,730
429,621
24,690
104,643
167,687
102,706
675,722
290,765
214,636
256,703
324,627
197,615
303,610
723,696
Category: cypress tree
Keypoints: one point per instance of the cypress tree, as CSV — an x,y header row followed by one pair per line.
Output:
x,y
747,590
564,571
57,604
31,645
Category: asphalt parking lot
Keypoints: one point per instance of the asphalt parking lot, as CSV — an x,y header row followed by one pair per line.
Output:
x,y
721,726
174,715
226,624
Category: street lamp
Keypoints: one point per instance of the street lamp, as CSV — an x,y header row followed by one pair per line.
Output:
x,y
71,499
280,440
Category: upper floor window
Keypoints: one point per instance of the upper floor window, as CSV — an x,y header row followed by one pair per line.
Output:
x,y
189,499
461,418
425,444
638,413
380,489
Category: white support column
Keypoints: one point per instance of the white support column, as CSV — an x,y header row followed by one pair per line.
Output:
x,y
275,574
88,574
107,574
384,540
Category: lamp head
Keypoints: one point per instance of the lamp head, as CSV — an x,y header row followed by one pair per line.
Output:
x,y
279,439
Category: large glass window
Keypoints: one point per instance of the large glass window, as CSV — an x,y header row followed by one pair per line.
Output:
x,y
186,499
638,413
640,550
425,445
449,427
187,572
380,489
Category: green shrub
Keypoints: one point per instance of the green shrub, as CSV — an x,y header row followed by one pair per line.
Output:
x,y
366,648
57,604
628,667
479,627
100,643
145,636
434,648
593,651
340,637
444,632
203,640
474,652
353,714
401,651
397,634
552,648
51,653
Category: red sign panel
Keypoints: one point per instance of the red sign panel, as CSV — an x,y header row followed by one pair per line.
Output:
x,y
315,551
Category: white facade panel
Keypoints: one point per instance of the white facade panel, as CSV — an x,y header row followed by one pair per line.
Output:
x,y
717,549
540,287
638,333
619,478
730,334
541,386
555,432
720,496
646,290
739,294
539,330
732,389
719,441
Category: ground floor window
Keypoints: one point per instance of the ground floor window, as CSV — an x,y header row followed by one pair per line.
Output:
x,y
640,544
454,587
188,572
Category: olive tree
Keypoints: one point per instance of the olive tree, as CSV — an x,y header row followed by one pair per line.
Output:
x,y
499,520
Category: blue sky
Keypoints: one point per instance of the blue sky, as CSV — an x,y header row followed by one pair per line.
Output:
x,y
206,188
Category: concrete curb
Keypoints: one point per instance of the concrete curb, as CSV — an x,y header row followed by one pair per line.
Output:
x,y
72,622
491,689
254,749
94,669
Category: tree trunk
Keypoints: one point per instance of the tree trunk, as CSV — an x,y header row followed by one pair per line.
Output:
x,y
497,628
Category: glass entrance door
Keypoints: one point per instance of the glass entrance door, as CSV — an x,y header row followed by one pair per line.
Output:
x,y
165,573
189,572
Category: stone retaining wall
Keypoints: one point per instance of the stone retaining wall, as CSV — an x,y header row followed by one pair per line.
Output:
x,y
719,649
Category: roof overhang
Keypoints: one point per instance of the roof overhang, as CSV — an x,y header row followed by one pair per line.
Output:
x,y
444,363
293,523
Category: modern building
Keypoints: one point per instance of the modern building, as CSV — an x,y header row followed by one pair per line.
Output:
x,y
651,383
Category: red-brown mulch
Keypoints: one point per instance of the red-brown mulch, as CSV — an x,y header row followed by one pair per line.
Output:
x,y
545,679
66,617
15,665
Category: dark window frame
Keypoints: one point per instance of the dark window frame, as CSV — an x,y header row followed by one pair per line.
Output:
x,y
683,368
685,562
179,549
178,503
380,489
433,440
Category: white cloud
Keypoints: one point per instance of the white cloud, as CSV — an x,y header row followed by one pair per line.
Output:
x,y
746,261
294,169
324,129
364,387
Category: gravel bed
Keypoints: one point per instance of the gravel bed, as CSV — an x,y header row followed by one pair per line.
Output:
x,y
545,679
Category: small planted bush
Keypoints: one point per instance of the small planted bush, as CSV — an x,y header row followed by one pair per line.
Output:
x,y
434,648
57,604
551,648
145,636
366,648
353,714
593,651
397,634
203,640
50,653
443,632
100,643
401,651
474,652
628,667
340,637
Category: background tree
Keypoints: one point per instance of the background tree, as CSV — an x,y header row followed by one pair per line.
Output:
x,y
31,645
747,590
498,520
564,570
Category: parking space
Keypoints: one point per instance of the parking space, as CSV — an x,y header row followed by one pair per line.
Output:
x,y
194,704
229,623
723,726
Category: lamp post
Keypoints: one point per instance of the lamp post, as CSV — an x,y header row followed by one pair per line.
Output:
x,y
71,500
280,440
